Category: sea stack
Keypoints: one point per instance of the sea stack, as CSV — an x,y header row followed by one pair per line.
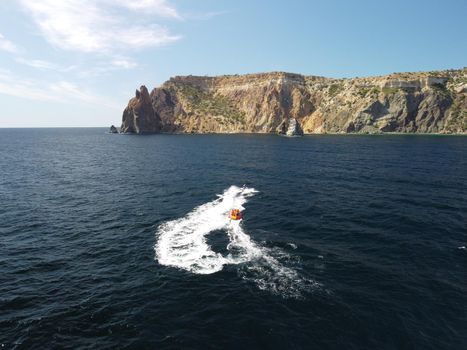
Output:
x,y
139,117
113,130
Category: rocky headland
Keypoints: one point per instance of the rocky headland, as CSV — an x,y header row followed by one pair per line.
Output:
x,y
292,104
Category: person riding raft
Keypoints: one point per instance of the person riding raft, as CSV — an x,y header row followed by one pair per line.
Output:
x,y
236,214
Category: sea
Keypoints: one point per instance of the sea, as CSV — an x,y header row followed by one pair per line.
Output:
x,y
114,241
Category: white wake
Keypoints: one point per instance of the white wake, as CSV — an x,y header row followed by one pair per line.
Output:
x,y
182,243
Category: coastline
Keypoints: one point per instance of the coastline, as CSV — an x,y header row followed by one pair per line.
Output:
x,y
304,135
233,133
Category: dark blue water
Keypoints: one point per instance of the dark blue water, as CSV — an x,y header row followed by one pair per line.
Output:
x,y
368,229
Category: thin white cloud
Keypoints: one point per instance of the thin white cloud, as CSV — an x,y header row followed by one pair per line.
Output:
x,y
116,63
70,91
23,88
92,26
204,16
43,65
7,45
36,63
157,7
60,91
124,63
100,68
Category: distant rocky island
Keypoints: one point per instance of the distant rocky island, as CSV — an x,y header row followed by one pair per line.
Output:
x,y
278,102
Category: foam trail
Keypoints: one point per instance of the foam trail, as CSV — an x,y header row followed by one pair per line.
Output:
x,y
182,243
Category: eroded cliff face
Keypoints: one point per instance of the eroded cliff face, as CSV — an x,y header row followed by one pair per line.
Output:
x,y
433,102
139,116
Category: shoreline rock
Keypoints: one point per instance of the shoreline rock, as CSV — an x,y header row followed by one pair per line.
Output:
x,y
290,127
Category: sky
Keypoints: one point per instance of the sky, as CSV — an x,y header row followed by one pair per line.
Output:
x,y
70,63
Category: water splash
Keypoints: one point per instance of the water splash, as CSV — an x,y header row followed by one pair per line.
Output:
x,y
182,243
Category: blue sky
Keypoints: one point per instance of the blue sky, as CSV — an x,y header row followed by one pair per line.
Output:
x,y
77,62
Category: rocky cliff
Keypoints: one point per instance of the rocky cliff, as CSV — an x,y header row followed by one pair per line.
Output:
x,y
424,102
139,117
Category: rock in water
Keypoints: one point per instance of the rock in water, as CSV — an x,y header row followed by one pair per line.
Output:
x,y
139,116
113,130
290,127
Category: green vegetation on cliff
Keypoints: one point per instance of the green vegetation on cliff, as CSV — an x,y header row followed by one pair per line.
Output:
x,y
206,103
